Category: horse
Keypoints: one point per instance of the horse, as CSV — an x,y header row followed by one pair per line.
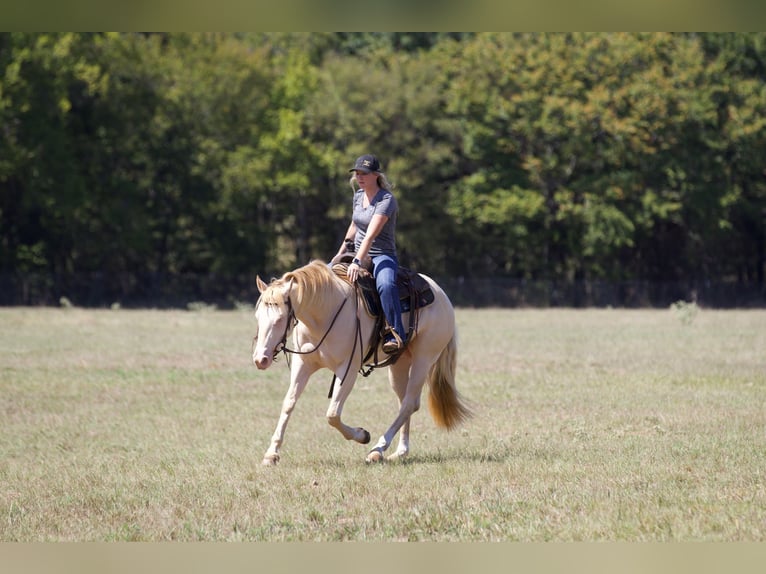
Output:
x,y
332,329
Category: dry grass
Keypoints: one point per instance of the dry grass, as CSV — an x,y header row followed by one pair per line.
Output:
x,y
590,425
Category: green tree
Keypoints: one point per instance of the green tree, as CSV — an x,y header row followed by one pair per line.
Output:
x,y
46,204
128,161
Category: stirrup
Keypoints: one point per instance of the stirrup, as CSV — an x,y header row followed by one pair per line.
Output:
x,y
395,345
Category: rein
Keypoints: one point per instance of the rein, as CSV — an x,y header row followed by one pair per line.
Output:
x,y
357,339
291,322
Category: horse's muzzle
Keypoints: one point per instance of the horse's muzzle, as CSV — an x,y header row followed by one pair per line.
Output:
x,y
262,361
261,358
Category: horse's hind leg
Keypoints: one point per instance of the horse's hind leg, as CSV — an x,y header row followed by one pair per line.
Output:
x,y
334,410
398,376
409,405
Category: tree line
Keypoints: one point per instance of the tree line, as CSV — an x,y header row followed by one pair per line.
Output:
x,y
564,157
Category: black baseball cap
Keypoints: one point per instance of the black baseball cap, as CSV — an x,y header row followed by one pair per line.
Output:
x,y
366,163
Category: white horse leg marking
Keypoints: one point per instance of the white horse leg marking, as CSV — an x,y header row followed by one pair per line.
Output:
x,y
403,449
299,376
335,408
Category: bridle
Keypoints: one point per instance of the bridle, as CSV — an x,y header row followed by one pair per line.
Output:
x,y
292,320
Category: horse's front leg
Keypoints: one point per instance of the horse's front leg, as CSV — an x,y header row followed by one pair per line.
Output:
x,y
299,376
341,390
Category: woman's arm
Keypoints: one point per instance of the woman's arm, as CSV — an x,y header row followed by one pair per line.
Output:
x,y
373,230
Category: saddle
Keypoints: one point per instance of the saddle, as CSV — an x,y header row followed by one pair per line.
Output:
x,y
414,294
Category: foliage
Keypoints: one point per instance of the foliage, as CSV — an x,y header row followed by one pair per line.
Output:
x,y
559,157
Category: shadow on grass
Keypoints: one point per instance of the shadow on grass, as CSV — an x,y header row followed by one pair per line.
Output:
x,y
489,454
502,455
499,456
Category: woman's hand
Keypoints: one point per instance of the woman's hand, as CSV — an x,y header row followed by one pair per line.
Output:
x,y
353,271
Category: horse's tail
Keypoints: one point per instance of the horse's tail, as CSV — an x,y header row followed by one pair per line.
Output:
x,y
444,402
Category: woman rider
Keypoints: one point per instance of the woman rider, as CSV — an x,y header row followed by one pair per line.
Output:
x,y
373,231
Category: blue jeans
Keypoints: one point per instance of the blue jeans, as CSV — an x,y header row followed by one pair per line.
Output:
x,y
384,271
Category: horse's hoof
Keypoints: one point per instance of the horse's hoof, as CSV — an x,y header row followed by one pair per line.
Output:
x,y
270,460
366,438
374,456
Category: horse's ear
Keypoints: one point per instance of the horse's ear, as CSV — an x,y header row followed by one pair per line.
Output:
x,y
260,284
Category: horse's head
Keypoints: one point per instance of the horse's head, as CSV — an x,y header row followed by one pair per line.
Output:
x,y
272,313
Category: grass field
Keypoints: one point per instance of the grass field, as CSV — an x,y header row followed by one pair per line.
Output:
x,y
627,425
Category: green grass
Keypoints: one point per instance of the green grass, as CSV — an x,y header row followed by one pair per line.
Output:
x,y
590,425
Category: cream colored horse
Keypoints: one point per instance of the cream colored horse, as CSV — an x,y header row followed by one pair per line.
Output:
x,y
333,331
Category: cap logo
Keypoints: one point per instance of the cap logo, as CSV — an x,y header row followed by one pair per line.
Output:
x,y
366,163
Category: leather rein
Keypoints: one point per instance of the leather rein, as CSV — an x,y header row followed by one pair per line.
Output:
x,y
292,320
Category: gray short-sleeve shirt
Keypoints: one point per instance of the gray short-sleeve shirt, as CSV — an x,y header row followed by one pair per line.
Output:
x,y
383,203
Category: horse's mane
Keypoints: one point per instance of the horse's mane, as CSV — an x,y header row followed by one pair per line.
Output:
x,y
312,283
